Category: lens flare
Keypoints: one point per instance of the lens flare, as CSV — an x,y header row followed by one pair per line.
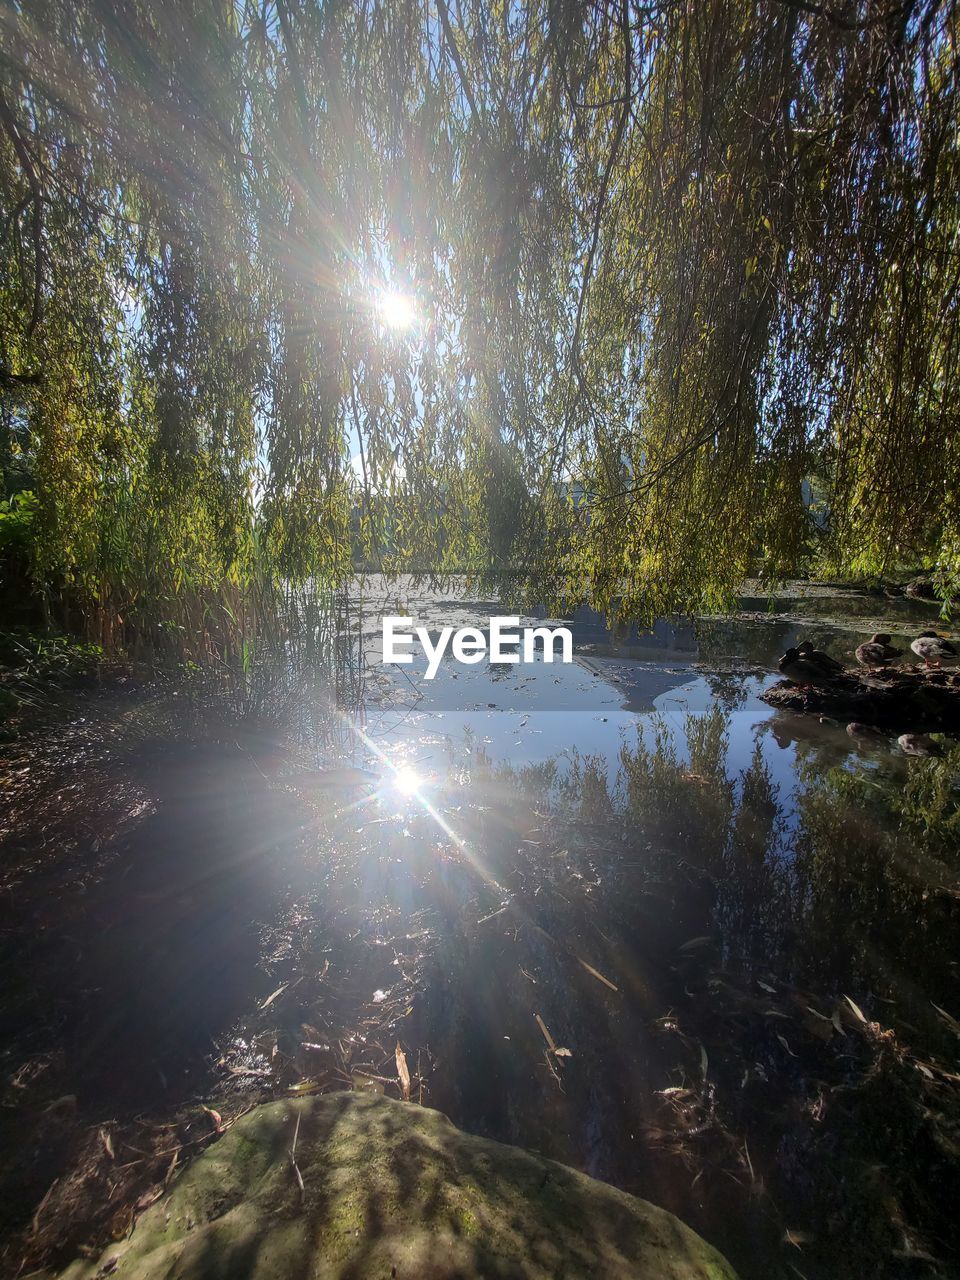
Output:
x,y
406,781
397,310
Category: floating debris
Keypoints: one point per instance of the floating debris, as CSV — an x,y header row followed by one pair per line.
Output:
x,y
598,975
403,1073
273,995
551,1045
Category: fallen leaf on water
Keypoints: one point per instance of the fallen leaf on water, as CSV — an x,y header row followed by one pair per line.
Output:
x,y
270,998
562,1053
703,1062
783,1041
107,1143
598,975
403,1073
857,1010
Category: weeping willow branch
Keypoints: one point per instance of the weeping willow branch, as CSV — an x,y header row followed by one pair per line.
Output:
x,y
36,199
673,270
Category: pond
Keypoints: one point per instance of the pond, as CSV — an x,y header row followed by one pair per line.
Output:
x,y
620,912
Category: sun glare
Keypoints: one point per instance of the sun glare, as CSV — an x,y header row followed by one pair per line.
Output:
x,y
407,781
397,310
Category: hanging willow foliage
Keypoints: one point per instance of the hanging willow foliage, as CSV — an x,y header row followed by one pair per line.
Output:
x,y
674,266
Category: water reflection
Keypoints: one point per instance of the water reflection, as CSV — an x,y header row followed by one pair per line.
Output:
x,y
743,982
773,1037
705,953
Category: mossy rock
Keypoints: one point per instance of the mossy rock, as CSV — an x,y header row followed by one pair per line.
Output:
x,y
392,1190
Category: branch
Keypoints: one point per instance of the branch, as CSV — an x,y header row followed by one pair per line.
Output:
x,y
295,69
598,214
847,24
14,381
458,61
36,196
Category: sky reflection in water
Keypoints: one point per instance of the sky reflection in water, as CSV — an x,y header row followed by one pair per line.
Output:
x,y
754,885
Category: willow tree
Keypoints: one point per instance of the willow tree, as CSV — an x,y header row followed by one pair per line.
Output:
x,y
666,266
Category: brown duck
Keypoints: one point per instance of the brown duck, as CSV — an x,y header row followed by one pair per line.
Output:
x,y
828,666
797,667
877,651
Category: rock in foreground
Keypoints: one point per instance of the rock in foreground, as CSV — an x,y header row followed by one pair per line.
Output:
x,y
393,1190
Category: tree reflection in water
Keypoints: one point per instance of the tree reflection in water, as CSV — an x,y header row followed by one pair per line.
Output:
x,y
773,1065
729,999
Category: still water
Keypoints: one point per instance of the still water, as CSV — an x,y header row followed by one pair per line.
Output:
x,y
621,912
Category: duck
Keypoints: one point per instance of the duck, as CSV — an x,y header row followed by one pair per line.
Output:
x,y
829,666
798,668
919,744
877,651
933,649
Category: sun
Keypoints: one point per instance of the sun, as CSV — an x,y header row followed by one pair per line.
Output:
x,y
397,310
406,781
